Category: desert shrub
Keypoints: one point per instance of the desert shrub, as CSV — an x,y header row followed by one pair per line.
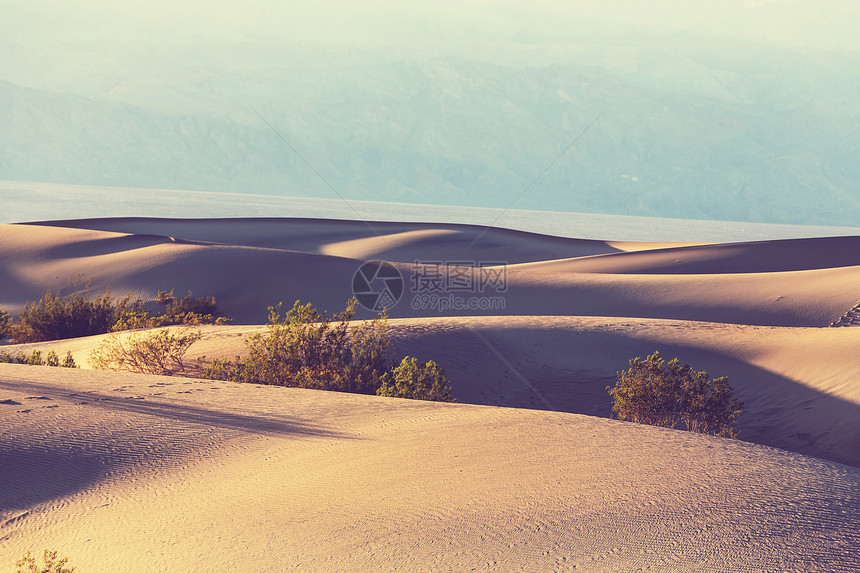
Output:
x,y
35,359
52,359
410,379
133,319
151,352
370,355
199,306
27,564
68,361
55,317
655,392
5,324
187,310
164,297
309,349
142,319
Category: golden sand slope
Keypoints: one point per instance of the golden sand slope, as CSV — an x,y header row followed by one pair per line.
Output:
x,y
783,283
141,473
566,327
799,385
136,473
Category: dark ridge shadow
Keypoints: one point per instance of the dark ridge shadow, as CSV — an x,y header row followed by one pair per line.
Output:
x,y
38,474
779,412
267,425
54,466
607,299
112,245
781,255
12,288
103,246
269,231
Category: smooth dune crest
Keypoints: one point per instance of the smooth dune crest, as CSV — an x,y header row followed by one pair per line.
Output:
x,y
250,264
129,472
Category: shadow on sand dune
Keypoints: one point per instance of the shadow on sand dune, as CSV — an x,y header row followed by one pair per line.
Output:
x,y
459,241
125,432
779,412
37,474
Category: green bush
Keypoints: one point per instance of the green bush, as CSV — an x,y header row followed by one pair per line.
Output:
x,y
154,352
200,306
56,317
164,297
52,359
68,361
187,310
370,355
309,349
410,379
35,359
5,324
27,564
143,319
671,395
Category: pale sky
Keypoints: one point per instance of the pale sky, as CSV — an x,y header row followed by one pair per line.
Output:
x,y
825,24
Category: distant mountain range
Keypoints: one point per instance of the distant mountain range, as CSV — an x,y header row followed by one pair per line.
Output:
x,y
767,135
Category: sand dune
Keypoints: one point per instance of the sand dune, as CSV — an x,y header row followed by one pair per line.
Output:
x,y
128,472
402,242
754,257
799,385
248,277
178,475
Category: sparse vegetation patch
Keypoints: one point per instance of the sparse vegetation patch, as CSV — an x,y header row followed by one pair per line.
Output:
x,y
5,324
35,359
309,349
187,310
302,348
410,379
152,352
56,317
672,395
51,564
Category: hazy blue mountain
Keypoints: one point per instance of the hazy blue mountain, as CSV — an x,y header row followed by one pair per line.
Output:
x,y
692,126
